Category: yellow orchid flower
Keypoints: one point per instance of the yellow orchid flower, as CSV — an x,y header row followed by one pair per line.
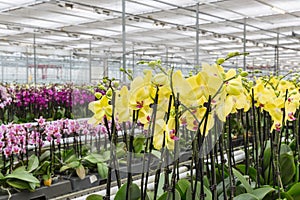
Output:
x,y
140,97
234,87
291,105
197,85
274,107
122,105
101,108
182,87
262,94
243,101
163,133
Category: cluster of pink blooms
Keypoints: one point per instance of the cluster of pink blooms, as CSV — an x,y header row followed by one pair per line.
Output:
x,y
5,98
14,138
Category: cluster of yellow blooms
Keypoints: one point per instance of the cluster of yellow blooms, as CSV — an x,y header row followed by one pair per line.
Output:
x,y
228,91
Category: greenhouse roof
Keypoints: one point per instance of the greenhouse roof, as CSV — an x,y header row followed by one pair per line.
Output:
x,y
155,29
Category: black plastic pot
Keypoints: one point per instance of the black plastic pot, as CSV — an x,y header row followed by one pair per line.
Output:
x,y
57,189
89,181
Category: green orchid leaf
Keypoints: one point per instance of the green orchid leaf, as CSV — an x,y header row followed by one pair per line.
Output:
x,y
71,159
66,155
150,195
243,180
134,192
19,184
287,167
182,186
138,143
292,145
43,168
94,197
206,181
294,191
1,176
102,170
80,171
252,172
246,196
64,168
33,186
20,169
22,175
207,192
267,157
220,186
156,153
284,148
45,156
94,158
239,189
33,163
287,196
260,193
169,195
74,164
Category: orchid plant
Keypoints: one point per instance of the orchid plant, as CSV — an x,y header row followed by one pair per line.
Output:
x,y
166,104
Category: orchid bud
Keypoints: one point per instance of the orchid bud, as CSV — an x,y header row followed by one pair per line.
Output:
x,y
98,95
244,74
160,79
101,87
220,61
283,82
116,84
109,93
231,54
234,87
250,83
152,64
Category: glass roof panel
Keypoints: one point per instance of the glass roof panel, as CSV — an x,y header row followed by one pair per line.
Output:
x,y
100,32
39,23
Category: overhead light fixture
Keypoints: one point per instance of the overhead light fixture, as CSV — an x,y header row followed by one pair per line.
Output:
x,y
66,5
106,12
101,11
98,11
69,6
14,28
279,10
75,35
97,38
134,18
296,35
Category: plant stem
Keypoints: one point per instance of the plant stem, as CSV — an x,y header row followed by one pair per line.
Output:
x,y
298,141
246,144
229,153
130,152
154,112
256,139
223,161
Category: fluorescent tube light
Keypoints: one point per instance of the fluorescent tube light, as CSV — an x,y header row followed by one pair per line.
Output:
x,y
279,10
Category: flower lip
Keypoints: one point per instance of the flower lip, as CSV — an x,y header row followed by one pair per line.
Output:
x,y
139,105
172,135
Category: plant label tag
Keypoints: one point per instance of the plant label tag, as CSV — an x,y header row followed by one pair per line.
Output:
x,y
93,178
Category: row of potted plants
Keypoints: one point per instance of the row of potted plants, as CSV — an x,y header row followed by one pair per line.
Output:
x,y
24,103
